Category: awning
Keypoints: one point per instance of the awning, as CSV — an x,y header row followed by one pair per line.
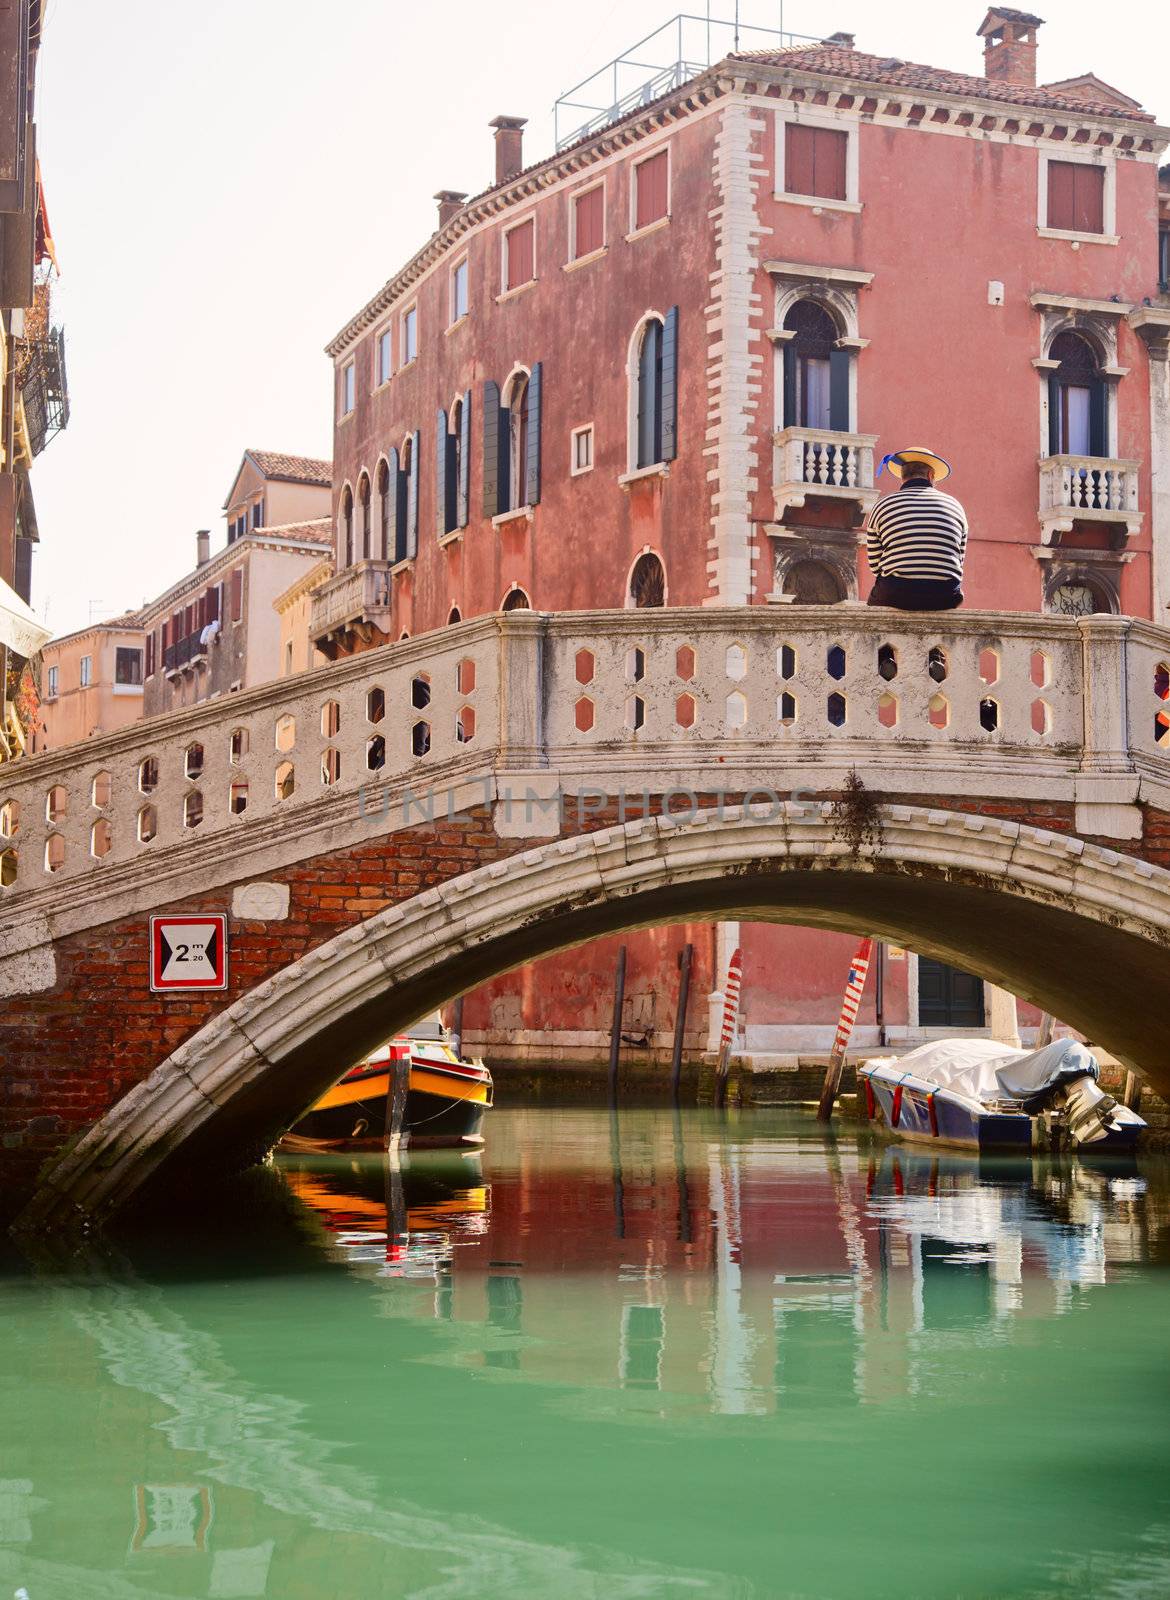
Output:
x,y
20,629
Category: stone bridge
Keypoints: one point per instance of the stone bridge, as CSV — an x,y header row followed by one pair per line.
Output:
x,y
397,828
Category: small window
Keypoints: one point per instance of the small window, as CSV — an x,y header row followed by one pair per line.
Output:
x,y
459,291
589,221
520,255
516,600
51,684
582,451
409,335
347,390
815,161
127,665
1076,197
257,513
86,671
385,365
648,581
651,190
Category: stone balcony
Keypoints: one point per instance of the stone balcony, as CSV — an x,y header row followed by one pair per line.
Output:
x,y
1088,489
356,601
816,463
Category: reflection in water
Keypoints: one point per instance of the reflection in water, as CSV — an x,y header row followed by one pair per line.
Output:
x,y
638,1353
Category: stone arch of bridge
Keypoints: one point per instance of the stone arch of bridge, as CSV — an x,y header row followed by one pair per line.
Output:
x,y
1079,929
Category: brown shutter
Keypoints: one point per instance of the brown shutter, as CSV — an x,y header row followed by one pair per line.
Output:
x,y
1088,198
799,159
1061,194
238,595
150,654
520,255
213,603
650,200
829,152
590,229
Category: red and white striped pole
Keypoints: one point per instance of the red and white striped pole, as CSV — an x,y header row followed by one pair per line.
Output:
x,y
854,988
730,1013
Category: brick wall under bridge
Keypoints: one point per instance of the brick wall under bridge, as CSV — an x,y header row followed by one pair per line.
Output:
x,y
1028,847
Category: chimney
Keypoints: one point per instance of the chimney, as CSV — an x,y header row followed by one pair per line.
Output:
x,y
509,140
845,41
450,204
1009,46
202,547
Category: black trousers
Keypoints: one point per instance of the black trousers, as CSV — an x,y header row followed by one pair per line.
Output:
x,y
917,594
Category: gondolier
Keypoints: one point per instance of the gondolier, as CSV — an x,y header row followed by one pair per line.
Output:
x,y
916,540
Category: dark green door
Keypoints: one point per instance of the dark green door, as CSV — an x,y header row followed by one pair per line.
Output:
x,y
948,998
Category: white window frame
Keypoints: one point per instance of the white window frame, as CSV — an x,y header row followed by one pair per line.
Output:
x,y
521,222
85,672
1084,158
659,222
576,194
454,315
407,357
347,389
384,340
53,676
837,122
633,361
586,428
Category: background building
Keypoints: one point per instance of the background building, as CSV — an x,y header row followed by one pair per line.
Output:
x,y
657,367
294,607
91,682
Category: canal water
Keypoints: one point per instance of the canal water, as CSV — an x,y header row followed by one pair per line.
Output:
x,y
658,1354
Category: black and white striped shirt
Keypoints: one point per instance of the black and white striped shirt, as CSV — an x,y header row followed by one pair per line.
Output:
x,y
919,532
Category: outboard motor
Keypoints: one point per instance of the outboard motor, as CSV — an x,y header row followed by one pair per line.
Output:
x,y
1089,1110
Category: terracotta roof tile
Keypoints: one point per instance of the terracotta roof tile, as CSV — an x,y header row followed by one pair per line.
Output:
x,y
293,469
839,61
319,531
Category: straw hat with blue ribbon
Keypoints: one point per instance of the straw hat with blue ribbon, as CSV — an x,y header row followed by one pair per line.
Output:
x,y
898,461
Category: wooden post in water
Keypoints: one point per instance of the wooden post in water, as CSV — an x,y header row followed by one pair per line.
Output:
x,y
1047,1024
457,1026
1132,1093
727,1034
854,987
615,1032
680,1021
396,1093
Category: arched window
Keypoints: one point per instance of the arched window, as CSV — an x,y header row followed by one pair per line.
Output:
x,y
1080,594
517,441
650,394
648,581
453,616
653,375
516,600
813,583
364,504
1076,398
456,511
385,511
347,524
816,372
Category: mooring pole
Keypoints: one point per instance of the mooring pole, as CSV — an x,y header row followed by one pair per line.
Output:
x,y
396,1093
727,1034
879,992
854,986
1047,1024
457,1026
680,1020
615,1033
1132,1093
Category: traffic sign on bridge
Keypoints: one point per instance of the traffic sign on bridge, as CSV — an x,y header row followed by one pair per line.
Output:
x,y
188,952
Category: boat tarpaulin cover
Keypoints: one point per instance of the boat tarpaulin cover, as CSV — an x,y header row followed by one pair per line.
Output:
x,y
985,1069
1031,1076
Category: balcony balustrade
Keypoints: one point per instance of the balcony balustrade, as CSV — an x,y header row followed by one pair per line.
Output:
x,y
356,600
1088,489
822,464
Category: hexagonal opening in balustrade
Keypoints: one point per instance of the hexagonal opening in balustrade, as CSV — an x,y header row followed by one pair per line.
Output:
x,y
786,709
286,732
238,746
584,714
786,662
238,796
584,666
420,691
887,662
735,710
685,711
989,666
56,803
10,819
146,825
635,716
465,676
54,853
736,663
101,790
285,781
465,724
836,662
330,766
148,775
375,753
937,664
887,711
9,867
1161,728
330,719
836,710
1162,680
938,712
1041,714
1040,669
635,664
193,761
685,663
420,739
101,839
989,714
193,809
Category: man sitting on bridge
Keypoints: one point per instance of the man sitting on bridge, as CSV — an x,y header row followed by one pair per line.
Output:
x,y
917,538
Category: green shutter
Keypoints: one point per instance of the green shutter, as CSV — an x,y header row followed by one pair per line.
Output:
x,y
670,385
464,486
493,498
839,390
412,499
532,463
442,451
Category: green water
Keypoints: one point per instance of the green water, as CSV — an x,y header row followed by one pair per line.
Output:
x,y
694,1355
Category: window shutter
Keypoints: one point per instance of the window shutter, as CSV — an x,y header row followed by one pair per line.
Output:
x,y
791,418
829,152
799,159
1088,198
412,500
1053,415
238,595
670,385
589,232
213,603
650,198
464,462
1061,194
839,361
532,464
494,493
650,396
442,472
520,255
1098,443
150,653
393,476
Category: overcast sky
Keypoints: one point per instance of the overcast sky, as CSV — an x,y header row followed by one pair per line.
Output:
x,y
228,182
